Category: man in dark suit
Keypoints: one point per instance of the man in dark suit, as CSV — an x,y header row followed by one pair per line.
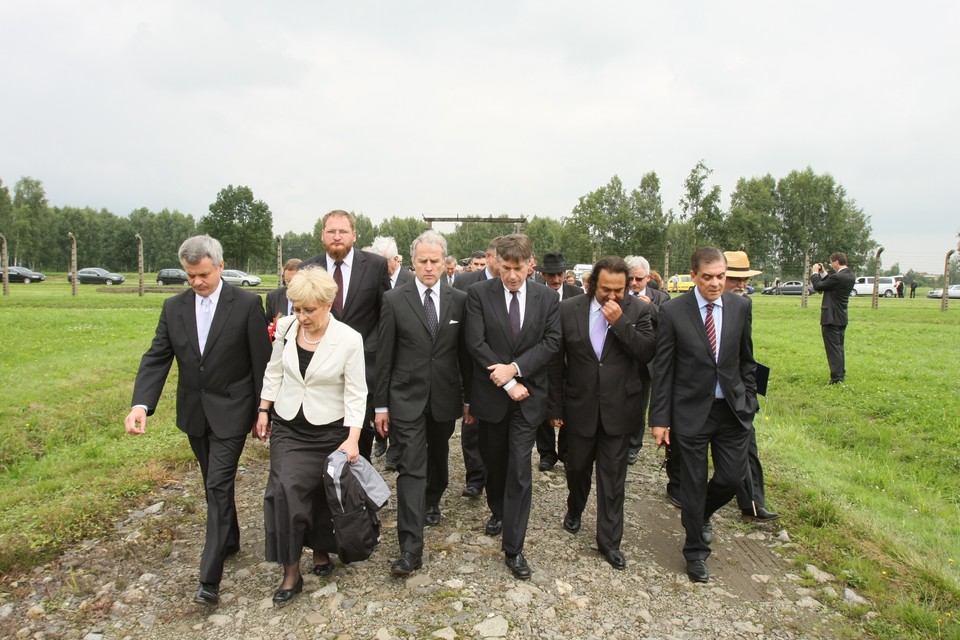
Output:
x,y
387,247
277,303
595,395
836,288
450,270
512,332
705,396
552,446
217,335
476,471
638,282
420,365
361,279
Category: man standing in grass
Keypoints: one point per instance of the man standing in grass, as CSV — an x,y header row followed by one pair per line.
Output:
x,y
216,333
836,288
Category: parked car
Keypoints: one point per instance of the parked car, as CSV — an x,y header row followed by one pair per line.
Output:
x,y
22,274
235,276
952,292
788,288
95,275
171,276
683,283
887,286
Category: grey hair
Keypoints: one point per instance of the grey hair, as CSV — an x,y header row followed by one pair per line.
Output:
x,y
638,262
196,248
385,246
430,237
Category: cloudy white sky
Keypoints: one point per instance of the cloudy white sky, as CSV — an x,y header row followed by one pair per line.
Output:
x,y
444,108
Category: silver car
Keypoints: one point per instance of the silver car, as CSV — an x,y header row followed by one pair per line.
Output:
x,y
237,277
952,292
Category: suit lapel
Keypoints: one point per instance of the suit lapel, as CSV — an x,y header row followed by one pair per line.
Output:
x,y
531,309
189,316
582,316
325,350
694,310
412,296
446,307
356,275
496,297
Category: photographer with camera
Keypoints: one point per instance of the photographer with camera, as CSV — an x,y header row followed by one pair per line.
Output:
x,y
836,289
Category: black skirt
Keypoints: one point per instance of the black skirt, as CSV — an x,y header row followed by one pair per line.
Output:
x,y
295,511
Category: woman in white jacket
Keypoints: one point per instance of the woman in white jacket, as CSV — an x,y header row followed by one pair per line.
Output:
x,y
312,404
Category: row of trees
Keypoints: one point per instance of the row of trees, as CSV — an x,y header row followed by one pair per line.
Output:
x,y
779,222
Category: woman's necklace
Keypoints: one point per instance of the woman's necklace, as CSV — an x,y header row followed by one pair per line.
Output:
x,y
307,340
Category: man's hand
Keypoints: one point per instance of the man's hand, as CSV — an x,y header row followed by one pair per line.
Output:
x,y
611,311
518,392
382,423
501,374
661,435
467,416
136,421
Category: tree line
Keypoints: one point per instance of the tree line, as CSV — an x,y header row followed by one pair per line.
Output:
x,y
779,222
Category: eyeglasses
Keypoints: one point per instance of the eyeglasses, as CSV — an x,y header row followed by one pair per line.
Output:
x,y
304,311
638,278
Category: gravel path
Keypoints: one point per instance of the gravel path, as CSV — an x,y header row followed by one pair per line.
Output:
x,y
139,581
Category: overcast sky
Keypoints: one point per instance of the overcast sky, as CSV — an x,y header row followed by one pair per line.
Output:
x,y
445,108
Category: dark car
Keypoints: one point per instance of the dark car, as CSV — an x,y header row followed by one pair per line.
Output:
x,y
789,288
22,274
172,276
95,275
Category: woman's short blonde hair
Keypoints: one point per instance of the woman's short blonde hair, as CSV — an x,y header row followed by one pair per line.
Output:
x,y
312,284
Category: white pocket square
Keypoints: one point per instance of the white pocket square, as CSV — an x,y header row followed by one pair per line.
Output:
x,y
454,322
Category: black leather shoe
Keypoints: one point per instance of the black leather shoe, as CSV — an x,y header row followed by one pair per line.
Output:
x,y
323,569
379,448
518,565
283,596
615,558
697,571
674,500
546,464
571,523
232,549
836,381
494,526
471,492
390,466
632,457
432,516
762,514
207,594
406,564
708,532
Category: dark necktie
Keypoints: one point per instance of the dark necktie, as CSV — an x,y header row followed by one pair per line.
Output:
x,y
514,315
711,330
431,312
338,299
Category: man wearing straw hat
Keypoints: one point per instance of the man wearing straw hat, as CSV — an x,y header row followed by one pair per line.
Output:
x,y
750,498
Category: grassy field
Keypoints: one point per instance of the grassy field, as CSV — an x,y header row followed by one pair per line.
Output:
x,y
867,473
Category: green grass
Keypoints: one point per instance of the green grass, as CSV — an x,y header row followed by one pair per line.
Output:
x,y
867,473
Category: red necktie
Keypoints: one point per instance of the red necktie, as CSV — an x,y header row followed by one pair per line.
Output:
x,y
338,299
711,330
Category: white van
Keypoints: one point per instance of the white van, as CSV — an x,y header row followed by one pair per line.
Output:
x,y
581,269
887,286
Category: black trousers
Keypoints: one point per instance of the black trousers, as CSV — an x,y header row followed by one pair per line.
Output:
x,y
506,447
833,344
423,473
476,470
551,442
218,458
636,439
609,454
727,440
751,491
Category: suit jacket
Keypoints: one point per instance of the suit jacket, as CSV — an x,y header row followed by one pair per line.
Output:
x,y
583,388
570,290
276,303
334,386
413,369
221,387
836,288
490,341
403,277
685,374
361,310
465,280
